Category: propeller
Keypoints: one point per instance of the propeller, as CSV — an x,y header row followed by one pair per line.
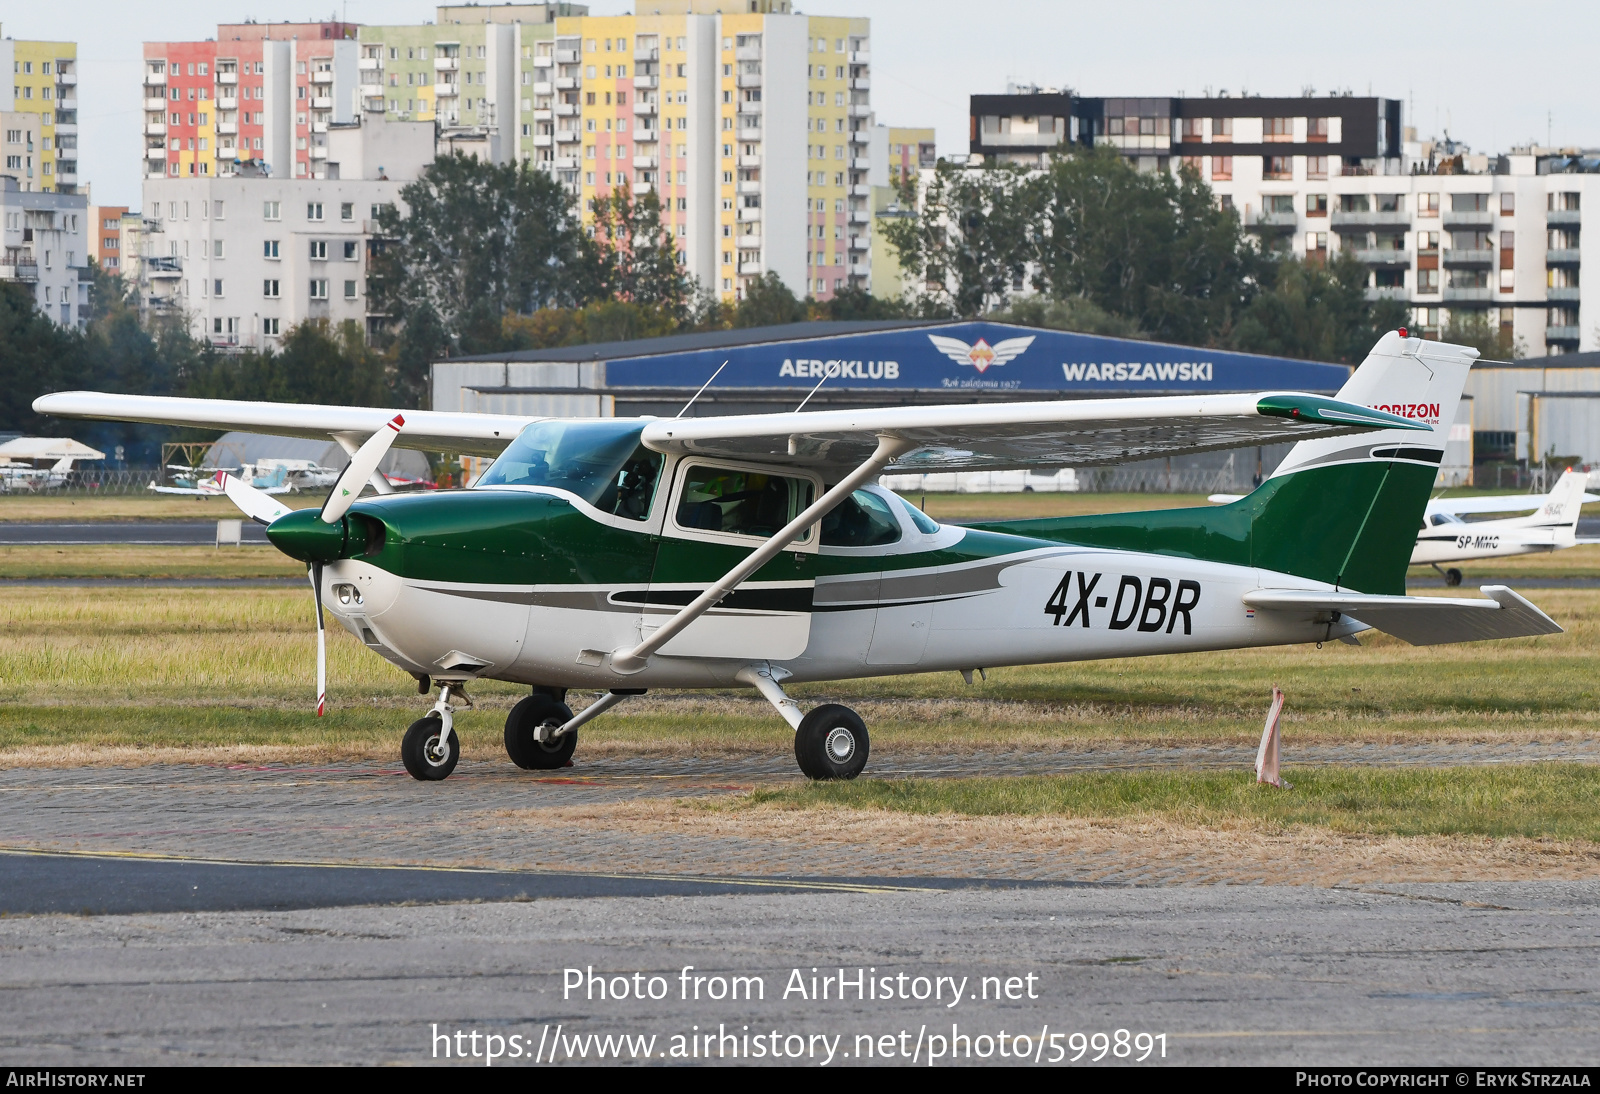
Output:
x,y
261,507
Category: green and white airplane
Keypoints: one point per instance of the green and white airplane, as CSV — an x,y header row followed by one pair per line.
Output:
x,y
626,554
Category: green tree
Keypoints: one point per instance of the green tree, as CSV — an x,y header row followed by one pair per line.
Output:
x,y
1074,314
971,237
1153,248
636,259
1493,341
855,303
768,303
476,241
314,364
1318,311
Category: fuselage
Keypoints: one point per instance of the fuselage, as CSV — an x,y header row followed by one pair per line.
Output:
x,y
1445,538
535,585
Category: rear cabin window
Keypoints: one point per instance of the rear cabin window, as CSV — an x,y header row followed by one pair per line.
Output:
x,y
741,503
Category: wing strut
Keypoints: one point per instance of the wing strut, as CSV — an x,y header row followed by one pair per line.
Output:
x,y
890,448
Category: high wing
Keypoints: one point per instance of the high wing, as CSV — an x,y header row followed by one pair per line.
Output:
x,y
1496,503
1419,620
996,436
430,431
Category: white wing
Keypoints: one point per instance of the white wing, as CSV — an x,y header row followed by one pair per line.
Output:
x,y
1011,348
427,430
985,436
954,348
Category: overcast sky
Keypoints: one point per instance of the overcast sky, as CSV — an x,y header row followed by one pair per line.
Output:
x,y
1493,73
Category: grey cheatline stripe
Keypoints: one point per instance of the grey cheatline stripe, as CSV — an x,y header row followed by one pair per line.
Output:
x,y
1362,454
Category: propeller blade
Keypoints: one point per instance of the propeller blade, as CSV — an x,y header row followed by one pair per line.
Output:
x,y
322,640
258,505
362,465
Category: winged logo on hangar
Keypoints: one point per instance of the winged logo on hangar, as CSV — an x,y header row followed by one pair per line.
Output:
x,y
981,355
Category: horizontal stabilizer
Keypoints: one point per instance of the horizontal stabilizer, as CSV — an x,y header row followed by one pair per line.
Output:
x,y
1419,620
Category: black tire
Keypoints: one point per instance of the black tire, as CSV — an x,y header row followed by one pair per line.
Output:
x,y
414,750
1452,577
832,743
539,709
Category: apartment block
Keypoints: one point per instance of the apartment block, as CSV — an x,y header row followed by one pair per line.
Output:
x,y
247,256
44,246
259,93
909,151
105,236
39,107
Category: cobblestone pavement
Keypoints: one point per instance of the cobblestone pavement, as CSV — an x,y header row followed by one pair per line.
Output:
x,y
615,813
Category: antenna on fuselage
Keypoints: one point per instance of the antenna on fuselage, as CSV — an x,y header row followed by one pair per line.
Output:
x,y
697,394
827,371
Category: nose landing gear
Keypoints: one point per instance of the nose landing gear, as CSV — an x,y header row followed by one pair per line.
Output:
x,y
430,749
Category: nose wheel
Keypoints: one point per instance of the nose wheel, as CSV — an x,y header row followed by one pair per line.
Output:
x,y
429,751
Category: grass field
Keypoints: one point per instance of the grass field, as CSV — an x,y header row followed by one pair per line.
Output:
x,y
112,560
1541,801
119,667
147,505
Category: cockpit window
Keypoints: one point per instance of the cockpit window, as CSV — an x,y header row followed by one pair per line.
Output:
x,y
861,520
1445,518
925,524
601,462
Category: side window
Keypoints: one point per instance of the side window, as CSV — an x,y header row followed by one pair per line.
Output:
x,y
633,488
744,503
861,520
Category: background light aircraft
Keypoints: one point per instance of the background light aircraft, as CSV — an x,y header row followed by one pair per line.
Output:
x,y
627,554
1445,537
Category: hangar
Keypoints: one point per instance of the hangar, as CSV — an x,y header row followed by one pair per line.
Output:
x,y
880,363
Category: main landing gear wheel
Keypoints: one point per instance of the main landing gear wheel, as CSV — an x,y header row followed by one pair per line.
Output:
x,y
427,757
1452,577
831,743
529,753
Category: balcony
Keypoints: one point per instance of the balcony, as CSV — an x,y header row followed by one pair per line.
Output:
x,y
645,107
1562,334
1369,220
67,79
567,110
1275,222
543,114
319,127
227,129
861,83
749,186
155,104
446,91
18,271
1564,294
1468,219
67,104
645,56
860,216
646,83
749,214
1468,258
1388,292
750,161
323,77
860,110
543,140
568,83
158,153
859,191
447,64
861,57
860,269
567,57
544,62
752,269
565,163
1467,296
861,163
859,136
67,178
370,64
228,103
747,53
568,136
231,78
372,91
324,102
163,267
1561,256
1380,256
749,79
155,129
644,163
1562,218
155,79
860,243
747,106
319,151
544,87
66,129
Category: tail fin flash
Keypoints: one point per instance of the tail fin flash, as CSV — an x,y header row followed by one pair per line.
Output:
x,y
1563,505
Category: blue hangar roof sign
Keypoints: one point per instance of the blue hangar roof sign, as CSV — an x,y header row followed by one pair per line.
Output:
x,y
975,357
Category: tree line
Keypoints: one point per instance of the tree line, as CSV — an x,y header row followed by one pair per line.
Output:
x,y
488,258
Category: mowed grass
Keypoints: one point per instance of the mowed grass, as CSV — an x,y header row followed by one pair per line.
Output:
x,y
208,666
95,560
144,505
1541,801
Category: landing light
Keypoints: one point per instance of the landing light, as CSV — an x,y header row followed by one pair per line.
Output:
x,y
347,594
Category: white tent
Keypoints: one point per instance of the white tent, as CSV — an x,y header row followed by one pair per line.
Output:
x,y
46,450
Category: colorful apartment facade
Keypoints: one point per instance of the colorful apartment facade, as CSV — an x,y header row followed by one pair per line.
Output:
x,y
39,115
261,92
105,236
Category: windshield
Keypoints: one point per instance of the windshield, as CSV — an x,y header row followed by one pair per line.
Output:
x,y
601,462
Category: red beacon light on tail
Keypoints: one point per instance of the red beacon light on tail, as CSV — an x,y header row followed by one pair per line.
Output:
x,y
1403,333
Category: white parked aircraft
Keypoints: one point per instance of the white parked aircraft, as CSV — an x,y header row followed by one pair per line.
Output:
x,y
1445,537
